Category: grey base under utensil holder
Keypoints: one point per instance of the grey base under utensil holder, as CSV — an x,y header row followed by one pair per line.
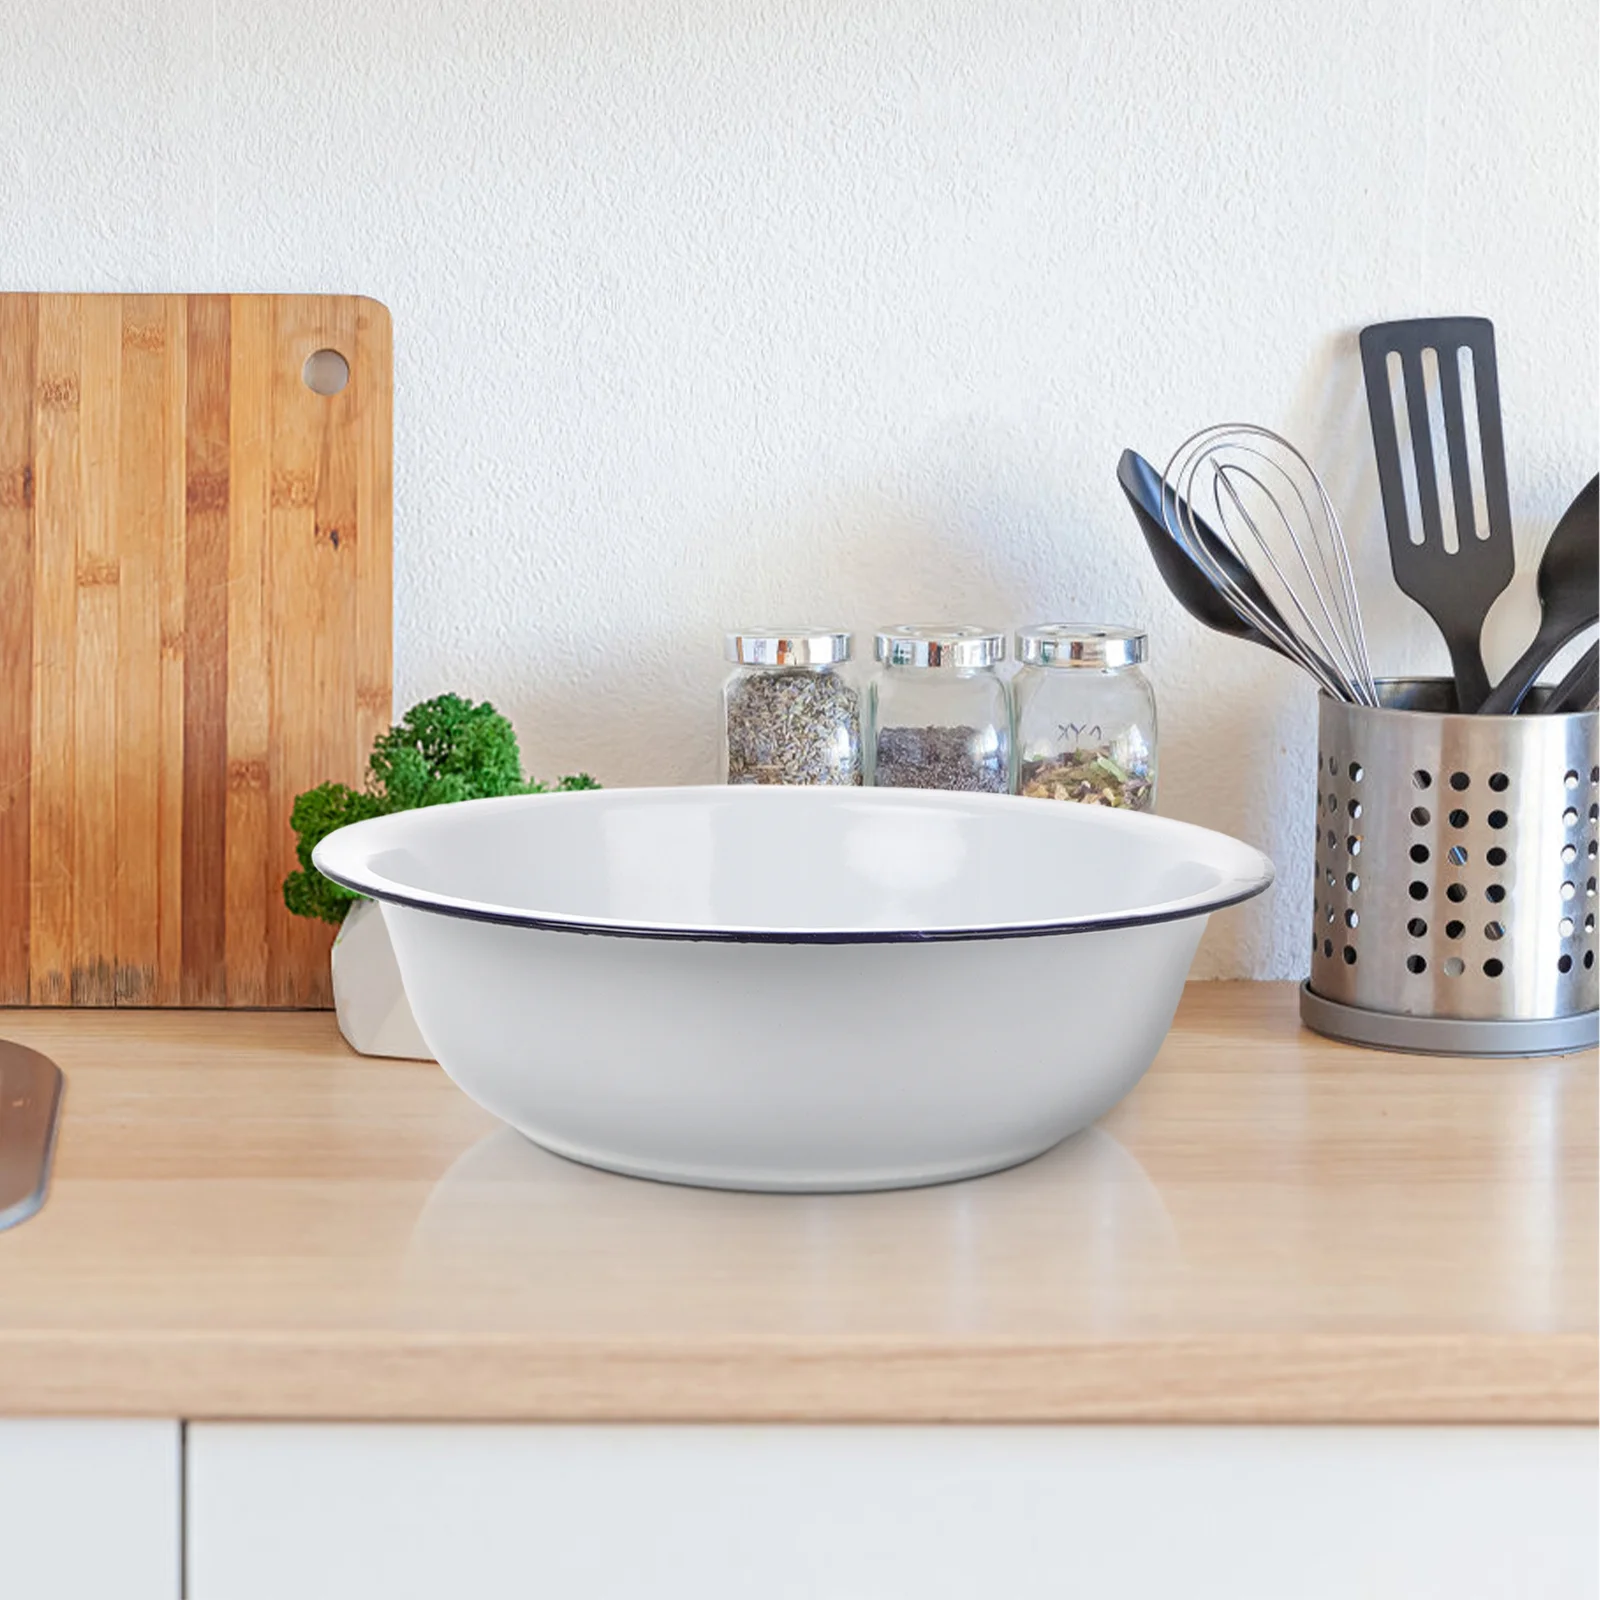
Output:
x,y
1448,1036
1455,896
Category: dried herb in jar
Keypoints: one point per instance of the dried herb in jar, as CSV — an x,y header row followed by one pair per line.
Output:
x,y
1091,777
940,758
793,727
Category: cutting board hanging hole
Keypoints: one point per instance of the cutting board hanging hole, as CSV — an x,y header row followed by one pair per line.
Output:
x,y
325,372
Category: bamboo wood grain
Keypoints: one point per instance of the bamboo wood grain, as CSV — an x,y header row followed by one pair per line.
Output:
x,y
95,766
18,331
247,887
204,795
53,881
374,583
140,516
249,1221
194,547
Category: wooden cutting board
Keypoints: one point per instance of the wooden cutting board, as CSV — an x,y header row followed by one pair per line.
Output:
x,y
195,608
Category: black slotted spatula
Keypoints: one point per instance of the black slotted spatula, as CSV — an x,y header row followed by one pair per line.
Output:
x,y
1455,587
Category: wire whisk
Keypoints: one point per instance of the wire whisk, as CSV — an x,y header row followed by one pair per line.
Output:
x,y
1249,489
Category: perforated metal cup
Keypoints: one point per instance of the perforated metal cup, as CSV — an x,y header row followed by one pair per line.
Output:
x,y
1456,862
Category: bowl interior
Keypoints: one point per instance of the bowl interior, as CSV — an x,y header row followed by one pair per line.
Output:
x,y
786,860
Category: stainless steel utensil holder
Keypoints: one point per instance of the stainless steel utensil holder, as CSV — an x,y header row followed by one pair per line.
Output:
x,y
1456,862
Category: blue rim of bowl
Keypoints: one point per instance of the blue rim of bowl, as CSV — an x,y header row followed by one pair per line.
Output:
x,y
613,930
1231,891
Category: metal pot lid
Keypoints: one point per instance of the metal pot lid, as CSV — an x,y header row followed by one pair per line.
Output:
x,y
30,1102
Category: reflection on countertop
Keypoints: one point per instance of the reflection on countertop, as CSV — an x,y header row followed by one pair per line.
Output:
x,y
1018,1250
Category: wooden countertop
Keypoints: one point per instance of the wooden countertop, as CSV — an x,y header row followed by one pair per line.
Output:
x,y
248,1220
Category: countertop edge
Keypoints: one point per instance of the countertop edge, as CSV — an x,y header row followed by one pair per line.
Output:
x,y
1343,1378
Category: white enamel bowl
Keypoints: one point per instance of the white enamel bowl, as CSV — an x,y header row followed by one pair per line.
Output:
x,y
774,988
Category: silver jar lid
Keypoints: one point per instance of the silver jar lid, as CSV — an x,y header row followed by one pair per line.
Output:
x,y
787,647
1066,644
940,644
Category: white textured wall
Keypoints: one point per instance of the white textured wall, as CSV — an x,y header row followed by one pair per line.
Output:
x,y
728,309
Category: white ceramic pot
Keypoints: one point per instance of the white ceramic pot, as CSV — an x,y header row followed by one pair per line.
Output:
x,y
778,988
369,997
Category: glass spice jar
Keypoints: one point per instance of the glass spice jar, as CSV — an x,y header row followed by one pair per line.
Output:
x,y
939,715
1086,716
789,716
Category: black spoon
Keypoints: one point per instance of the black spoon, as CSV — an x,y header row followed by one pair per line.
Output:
x,y
1189,583
1576,691
1569,596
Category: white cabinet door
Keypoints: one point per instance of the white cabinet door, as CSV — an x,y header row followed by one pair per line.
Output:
x,y
908,1513
90,1509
